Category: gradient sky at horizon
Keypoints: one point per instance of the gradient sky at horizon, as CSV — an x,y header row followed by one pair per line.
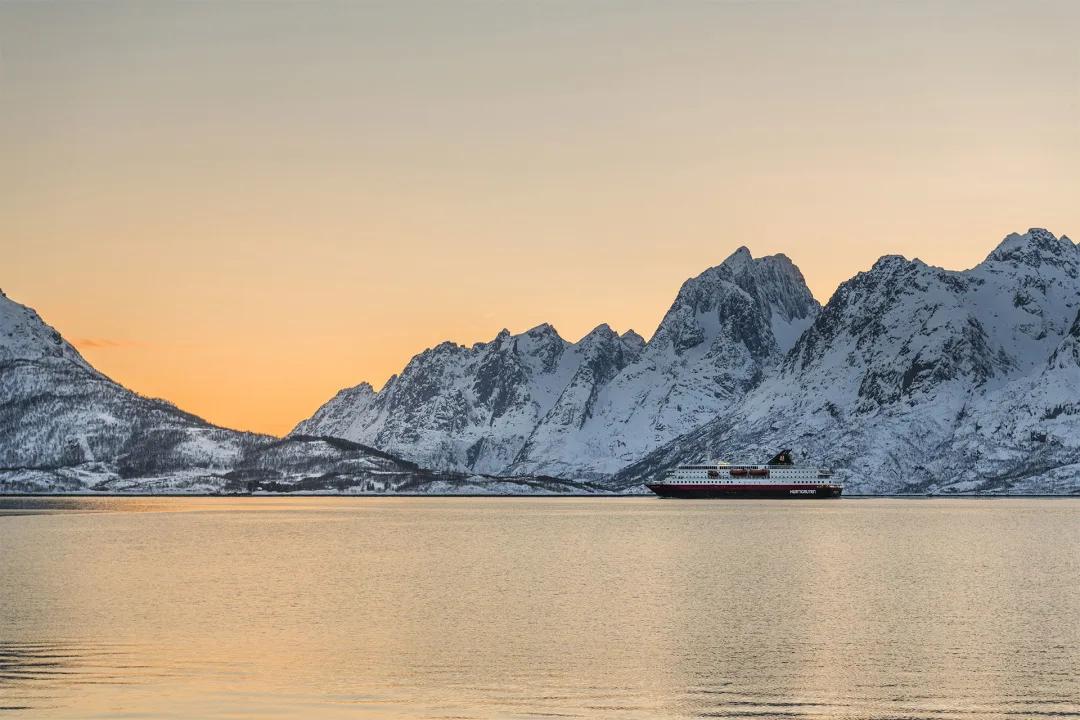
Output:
x,y
245,207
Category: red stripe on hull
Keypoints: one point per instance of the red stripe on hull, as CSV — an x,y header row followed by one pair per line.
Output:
x,y
746,491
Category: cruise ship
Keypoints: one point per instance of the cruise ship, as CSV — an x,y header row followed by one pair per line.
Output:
x,y
778,478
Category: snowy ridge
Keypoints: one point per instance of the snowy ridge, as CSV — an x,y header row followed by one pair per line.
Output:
x,y
441,409
57,411
535,404
64,427
911,379
914,378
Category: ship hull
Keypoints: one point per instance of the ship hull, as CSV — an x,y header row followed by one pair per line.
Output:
x,y
790,492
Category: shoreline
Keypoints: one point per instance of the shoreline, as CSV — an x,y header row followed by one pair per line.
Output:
x,y
909,496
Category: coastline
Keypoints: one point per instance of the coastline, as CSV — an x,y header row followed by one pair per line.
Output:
x,y
546,496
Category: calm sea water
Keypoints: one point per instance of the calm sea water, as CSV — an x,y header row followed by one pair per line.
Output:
x,y
539,608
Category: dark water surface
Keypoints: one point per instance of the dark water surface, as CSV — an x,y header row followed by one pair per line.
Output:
x,y
539,608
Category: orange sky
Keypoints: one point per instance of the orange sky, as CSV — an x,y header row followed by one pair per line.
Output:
x,y
245,207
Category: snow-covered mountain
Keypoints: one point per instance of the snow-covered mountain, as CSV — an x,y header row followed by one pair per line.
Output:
x,y
472,408
66,427
727,329
913,378
62,418
1024,436
535,404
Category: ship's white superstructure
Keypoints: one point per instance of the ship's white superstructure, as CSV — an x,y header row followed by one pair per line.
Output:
x,y
777,478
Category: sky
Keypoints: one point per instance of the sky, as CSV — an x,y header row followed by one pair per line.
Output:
x,y
245,207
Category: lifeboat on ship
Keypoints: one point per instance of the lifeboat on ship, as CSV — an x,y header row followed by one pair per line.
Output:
x,y
737,472
759,472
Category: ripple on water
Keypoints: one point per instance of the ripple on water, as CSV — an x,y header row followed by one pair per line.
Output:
x,y
516,608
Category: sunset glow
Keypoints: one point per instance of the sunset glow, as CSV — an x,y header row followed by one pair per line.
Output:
x,y
244,208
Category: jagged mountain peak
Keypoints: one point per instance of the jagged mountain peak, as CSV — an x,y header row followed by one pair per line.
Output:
x,y
762,304
602,331
540,339
738,260
604,341
25,336
898,331
742,267
543,330
750,272
446,346
1034,248
887,263
633,340
898,275
743,260
429,356
540,348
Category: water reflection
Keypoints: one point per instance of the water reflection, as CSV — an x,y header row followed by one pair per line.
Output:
x,y
38,675
473,608
47,505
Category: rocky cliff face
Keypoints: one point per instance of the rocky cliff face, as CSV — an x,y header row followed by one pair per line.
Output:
x,y
904,363
537,404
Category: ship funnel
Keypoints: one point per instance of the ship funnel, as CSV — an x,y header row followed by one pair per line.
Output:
x,y
784,457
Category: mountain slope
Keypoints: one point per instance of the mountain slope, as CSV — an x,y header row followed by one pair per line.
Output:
x,y
1024,436
473,408
900,360
66,427
727,328
911,379
536,404
57,412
